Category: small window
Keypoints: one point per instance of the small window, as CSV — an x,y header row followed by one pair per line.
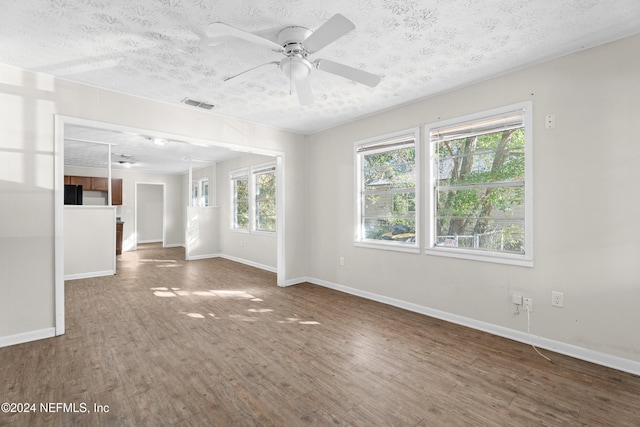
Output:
x,y
481,199
195,192
265,199
253,192
387,191
240,202
200,192
204,187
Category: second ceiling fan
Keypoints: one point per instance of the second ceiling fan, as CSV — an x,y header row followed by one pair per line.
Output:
x,y
296,44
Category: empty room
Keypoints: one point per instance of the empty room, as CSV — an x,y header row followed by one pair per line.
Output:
x,y
287,213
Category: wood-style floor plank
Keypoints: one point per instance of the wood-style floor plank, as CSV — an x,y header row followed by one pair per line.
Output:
x,y
213,342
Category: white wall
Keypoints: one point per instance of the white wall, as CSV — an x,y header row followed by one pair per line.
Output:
x,y
150,212
257,248
585,208
89,241
28,104
202,232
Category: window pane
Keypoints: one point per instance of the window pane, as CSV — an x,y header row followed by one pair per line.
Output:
x,y
242,215
480,188
500,235
394,230
266,218
390,205
241,203
205,192
267,185
390,169
265,201
482,158
388,195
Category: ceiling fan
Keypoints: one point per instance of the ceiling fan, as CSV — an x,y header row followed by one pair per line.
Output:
x,y
297,44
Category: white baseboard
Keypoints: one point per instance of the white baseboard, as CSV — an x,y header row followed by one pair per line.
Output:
x,y
292,282
27,337
250,263
149,241
174,245
205,256
610,361
89,275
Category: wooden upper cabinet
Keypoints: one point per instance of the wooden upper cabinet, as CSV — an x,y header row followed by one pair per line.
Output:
x,y
99,184
116,191
85,181
90,183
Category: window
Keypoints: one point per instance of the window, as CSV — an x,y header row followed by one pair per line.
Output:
x,y
265,196
240,202
253,192
200,192
386,188
481,186
204,185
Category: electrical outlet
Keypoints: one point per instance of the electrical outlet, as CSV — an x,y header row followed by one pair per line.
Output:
x,y
557,299
527,304
341,260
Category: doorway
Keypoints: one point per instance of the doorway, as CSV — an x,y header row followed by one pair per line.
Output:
x,y
150,213
124,136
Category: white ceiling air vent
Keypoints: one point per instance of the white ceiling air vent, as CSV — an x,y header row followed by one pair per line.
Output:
x,y
198,104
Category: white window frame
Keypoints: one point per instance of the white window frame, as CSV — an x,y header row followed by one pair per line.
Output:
x,y
525,259
250,174
197,192
359,238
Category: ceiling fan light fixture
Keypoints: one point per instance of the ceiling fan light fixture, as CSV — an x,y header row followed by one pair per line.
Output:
x,y
296,68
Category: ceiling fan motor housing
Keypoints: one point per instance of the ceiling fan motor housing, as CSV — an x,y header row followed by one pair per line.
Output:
x,y
291,39
295,65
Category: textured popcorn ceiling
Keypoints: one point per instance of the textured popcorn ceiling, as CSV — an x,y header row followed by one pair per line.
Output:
x,y
165,49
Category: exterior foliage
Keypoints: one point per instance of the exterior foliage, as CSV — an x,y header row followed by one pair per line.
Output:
x,y
389,210
480,191
266,201
241,203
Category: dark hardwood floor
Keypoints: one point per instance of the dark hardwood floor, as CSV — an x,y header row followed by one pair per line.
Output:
x,y
216,343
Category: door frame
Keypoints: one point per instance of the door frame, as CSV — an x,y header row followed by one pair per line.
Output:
x,y
58,167
164,211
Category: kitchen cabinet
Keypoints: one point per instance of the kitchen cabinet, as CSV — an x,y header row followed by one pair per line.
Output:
x,y
85,181
99,184
116,191
119,233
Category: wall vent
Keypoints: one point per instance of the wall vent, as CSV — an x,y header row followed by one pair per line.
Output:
x,y
198,104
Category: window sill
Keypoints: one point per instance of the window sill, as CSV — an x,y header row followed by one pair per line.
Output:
x,y
507,259
264,233
398,247
239,230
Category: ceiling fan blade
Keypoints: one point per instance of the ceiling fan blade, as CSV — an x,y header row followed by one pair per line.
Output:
x,y
252,72
228,30
303,88
336,27
355,74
